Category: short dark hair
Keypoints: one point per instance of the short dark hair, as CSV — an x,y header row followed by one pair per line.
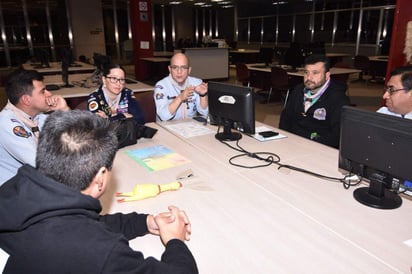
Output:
x,y
74,145
108,68
406,76
20,82
316,58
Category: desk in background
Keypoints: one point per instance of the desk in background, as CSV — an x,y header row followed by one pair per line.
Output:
x,y
157,68
243,56
56,68
260,75
82,87
266,220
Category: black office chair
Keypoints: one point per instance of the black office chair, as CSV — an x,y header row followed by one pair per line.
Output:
x,y
148,106
362,63
242,74
279,85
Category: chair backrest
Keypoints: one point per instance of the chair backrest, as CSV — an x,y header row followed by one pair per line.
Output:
x,y
148,106
361,62
279,78
82,105
242,73
341,77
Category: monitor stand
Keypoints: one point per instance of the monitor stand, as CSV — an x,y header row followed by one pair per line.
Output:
x,y
227,134
377,196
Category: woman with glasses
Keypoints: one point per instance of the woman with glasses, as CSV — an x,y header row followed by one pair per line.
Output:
x,y
112,99
180,96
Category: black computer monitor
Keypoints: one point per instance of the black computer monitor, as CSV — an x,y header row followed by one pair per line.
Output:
x,y
266,55
101,61
232,107
376,147
67,59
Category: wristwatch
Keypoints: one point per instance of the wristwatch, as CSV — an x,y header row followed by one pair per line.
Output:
x,y
203,95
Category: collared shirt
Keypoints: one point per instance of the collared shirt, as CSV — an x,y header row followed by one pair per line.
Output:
x,y
18,145
385,110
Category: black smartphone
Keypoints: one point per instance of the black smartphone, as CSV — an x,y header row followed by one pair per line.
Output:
x,y
267,134
200,119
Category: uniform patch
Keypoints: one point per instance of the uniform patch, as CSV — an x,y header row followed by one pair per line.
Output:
x,y
21,132
159,87
93,105
159,96
320,114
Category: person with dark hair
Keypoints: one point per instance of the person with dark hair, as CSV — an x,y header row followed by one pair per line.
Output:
x,y
56,224
313,108
22,118
112,99
398,93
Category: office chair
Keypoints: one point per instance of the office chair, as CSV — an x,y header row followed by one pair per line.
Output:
x,y
242,74
148,106
341,77
279,81
362,63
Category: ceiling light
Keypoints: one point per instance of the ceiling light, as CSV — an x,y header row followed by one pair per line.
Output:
x,y
175,2
199,4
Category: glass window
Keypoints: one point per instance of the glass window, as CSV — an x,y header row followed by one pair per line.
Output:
x,y
285,28
243,30
269,29
255,29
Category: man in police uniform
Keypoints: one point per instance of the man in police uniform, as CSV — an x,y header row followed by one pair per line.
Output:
x,y
180,96
22,119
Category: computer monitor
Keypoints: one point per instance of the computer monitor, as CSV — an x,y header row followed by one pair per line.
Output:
x,y
232,107
266,55
67,59
101,61
376,147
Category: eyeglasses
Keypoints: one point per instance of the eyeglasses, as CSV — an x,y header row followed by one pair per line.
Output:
x,y
391,90
115,80
176,68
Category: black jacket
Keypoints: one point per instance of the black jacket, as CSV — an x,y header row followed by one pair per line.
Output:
x,y
321,122
47,227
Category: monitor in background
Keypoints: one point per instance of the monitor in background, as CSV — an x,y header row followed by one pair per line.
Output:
x,y
101,61
42,57
266,55
232,107
376,147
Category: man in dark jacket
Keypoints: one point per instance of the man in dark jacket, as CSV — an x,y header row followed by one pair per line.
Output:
x,y
50,220
314,107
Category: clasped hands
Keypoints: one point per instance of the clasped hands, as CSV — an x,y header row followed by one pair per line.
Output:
x,y
188,92
173,224
56,102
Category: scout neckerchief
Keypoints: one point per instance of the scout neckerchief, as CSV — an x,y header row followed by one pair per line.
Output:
x,y
179,89
26,119
310,99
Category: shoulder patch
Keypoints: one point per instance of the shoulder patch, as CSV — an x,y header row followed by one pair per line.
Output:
x,y
159,86
93,105
159,96
21,132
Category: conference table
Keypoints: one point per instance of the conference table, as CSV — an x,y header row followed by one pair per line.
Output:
x,y
263,220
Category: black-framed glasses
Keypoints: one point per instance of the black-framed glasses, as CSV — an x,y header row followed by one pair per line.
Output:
x,y
391,90
176,68
115,80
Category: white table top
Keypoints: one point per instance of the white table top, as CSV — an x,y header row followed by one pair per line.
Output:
x,y
267,220
56,68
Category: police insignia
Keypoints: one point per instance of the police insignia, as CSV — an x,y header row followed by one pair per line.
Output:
x,y
159,96
320,114
21,132
93,106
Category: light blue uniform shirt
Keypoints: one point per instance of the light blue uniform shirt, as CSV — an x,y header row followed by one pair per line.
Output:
x,y
165,93
385,110
17,143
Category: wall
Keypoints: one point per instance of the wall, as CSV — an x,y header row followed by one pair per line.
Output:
x,y
87,27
